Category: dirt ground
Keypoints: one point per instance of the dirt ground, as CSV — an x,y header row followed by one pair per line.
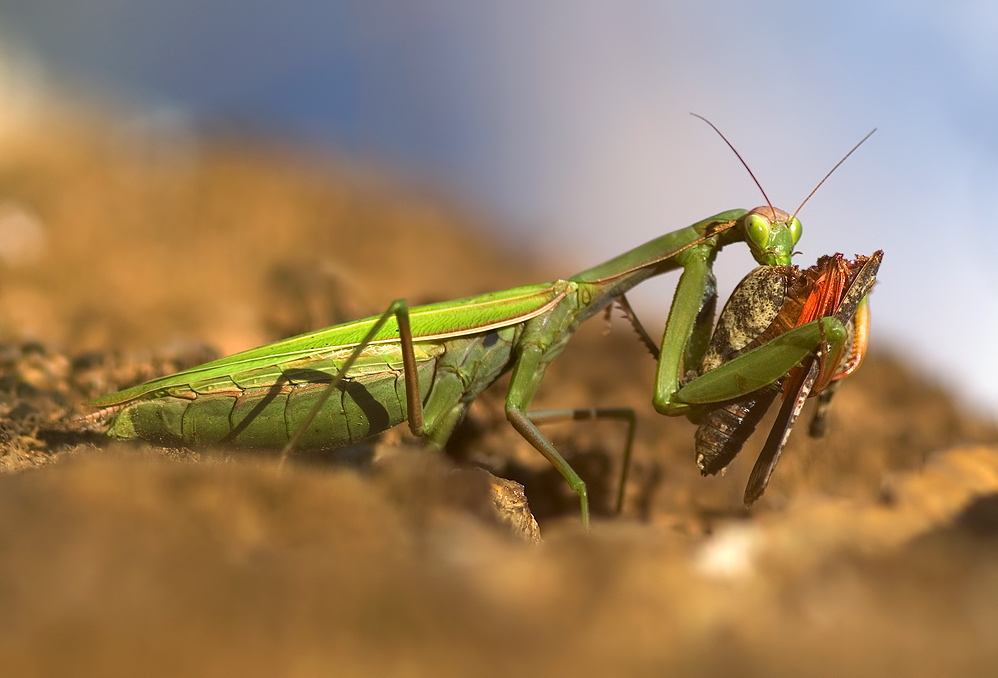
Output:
x,y
124,256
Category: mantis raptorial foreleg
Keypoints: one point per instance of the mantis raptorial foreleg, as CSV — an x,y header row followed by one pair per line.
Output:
x,y
755,369
639,329
685,329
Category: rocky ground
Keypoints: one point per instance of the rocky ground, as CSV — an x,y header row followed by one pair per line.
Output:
x,y
124,256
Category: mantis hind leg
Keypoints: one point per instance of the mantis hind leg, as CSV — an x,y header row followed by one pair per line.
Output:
x,y
400,309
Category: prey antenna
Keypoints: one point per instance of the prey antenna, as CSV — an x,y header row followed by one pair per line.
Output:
x,y
745,164
815,189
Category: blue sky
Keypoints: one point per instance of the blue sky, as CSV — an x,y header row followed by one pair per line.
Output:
x,y
568,122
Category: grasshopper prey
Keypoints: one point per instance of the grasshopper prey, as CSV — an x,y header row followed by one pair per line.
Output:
x,y
425,364
768,302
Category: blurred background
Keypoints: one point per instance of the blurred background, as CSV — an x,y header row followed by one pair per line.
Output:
x,y
567,126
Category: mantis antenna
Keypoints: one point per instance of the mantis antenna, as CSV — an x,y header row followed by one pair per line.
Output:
x,y
815,189
745,164
751,174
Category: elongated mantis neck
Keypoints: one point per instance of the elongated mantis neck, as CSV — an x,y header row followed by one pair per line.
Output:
x,y
770,234
665,253
660,255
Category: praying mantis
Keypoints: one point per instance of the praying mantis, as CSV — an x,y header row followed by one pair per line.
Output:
x,y
426,364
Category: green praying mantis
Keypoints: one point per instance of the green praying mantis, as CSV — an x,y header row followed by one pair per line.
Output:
x,y
426,364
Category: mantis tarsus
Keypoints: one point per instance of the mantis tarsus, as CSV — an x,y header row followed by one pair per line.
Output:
x,y
426,364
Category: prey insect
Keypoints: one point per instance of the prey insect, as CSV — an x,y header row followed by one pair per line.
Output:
x,y
769,302
426,364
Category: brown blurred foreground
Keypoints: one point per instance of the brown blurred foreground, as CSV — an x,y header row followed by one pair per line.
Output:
x,y
123,257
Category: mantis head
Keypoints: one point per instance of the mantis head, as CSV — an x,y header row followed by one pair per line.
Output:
x,y
771,235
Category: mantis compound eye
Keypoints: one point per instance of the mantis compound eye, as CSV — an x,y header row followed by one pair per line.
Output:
x,y
795,229
758,230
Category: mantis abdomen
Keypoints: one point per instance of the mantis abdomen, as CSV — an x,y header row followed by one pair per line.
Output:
x,y
263,408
